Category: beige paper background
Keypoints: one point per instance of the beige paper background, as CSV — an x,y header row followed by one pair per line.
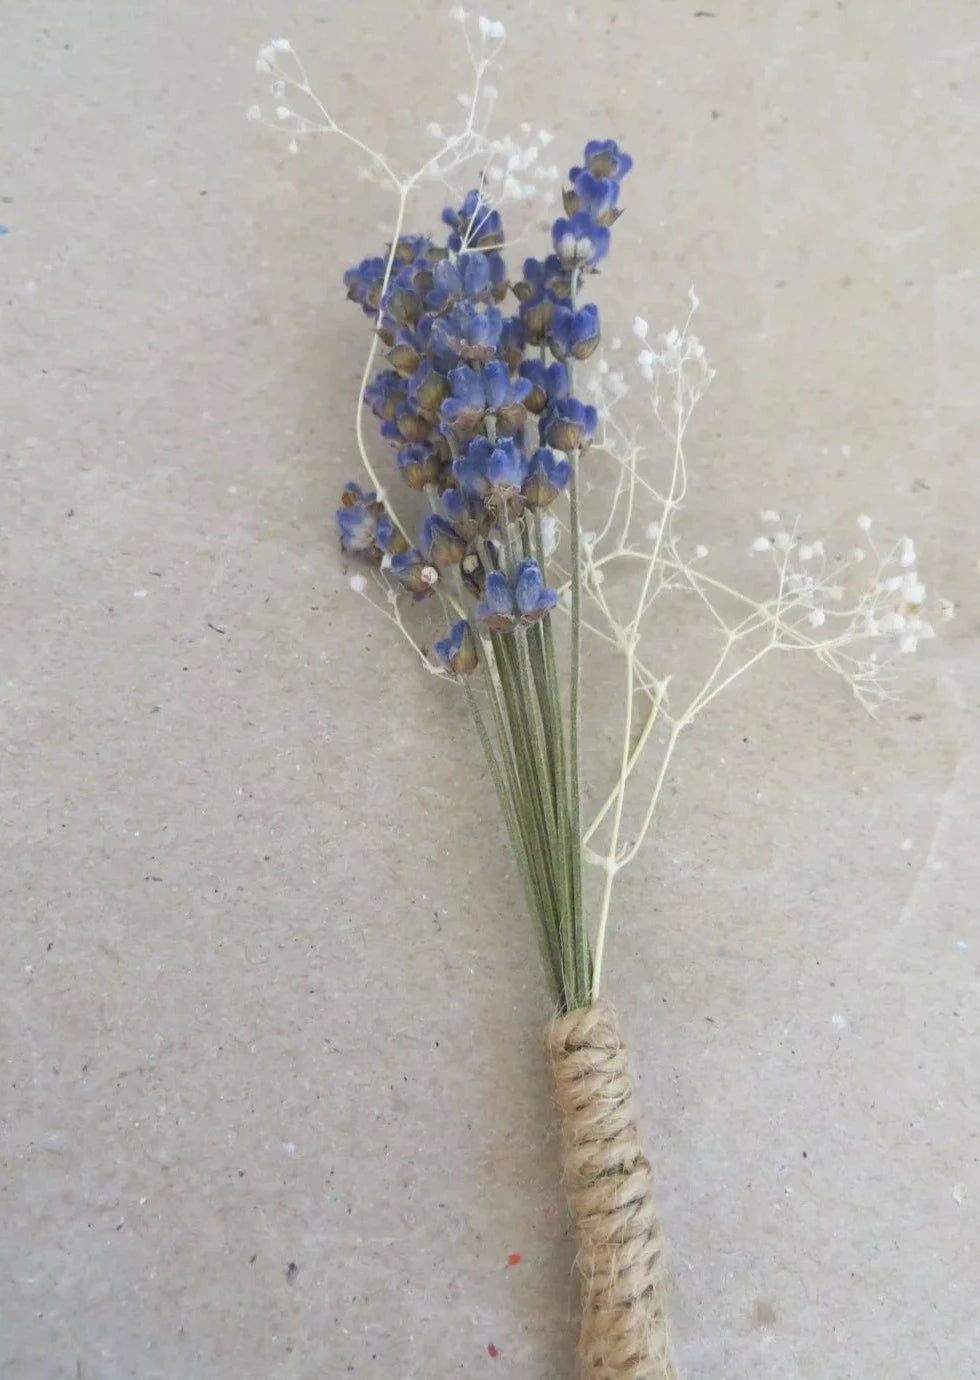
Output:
x,y
274,1101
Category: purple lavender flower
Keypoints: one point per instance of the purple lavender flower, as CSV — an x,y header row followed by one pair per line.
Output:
x,y
414,572
574,333
441,544
427,390
543,276
549,382
487,466
418,465
477,277
512,342
386,392
405,355
547,476
467,512
404,301
603,158
357,519
537,313
412,247
474,226
579,240
407,425
505,398
364,526
476,393
388,538
569,425
470,331
363,284
597,195
457,652
461,416
531,595
497,611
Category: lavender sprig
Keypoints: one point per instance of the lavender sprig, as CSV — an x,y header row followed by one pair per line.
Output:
x,y
494,434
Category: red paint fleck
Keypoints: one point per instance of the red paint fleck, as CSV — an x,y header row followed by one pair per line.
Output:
x,y
514,1258
492,1351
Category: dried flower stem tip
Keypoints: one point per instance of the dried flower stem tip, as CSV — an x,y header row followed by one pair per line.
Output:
x,y
609,1184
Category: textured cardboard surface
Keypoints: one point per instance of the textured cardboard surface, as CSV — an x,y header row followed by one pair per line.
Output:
x,y
274,1098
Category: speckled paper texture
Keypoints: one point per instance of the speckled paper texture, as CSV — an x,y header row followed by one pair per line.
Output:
x,y
275,1099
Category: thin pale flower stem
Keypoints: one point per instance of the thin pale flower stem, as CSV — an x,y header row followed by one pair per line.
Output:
x,y
617,820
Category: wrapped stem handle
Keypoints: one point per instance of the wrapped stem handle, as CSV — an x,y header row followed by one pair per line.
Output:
x,y
609,1183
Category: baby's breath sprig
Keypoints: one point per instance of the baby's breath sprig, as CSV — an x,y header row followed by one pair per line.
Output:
x,y
495,428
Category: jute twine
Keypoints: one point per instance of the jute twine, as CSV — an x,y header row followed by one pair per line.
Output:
x,y
610,1192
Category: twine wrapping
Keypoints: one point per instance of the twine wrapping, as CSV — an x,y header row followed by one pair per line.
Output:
x,y
609,1183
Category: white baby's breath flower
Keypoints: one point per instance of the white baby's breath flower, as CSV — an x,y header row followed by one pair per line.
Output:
x,y
545,137
762,544
816,618
782,541
458,14
434,130
549,533
906,551
358,584
913,590
700,552
653,531
254,112
864,522
769,515
641,328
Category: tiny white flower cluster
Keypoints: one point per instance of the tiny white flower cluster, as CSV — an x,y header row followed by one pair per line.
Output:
x,y
675,361
886,609
855,625
510,157
511,168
